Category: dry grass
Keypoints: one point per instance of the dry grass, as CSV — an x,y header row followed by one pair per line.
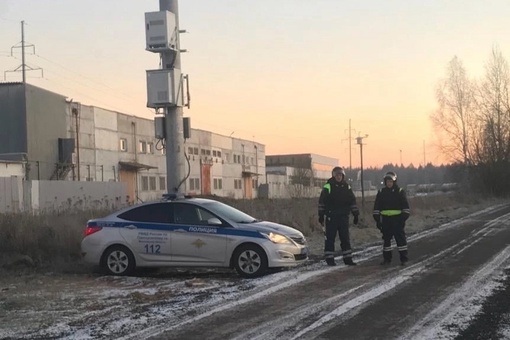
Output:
x,y
53,240
42,240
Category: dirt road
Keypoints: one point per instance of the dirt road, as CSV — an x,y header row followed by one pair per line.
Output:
x,y
450,266
456,286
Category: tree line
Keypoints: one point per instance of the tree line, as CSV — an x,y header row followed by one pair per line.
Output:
x,y
472,122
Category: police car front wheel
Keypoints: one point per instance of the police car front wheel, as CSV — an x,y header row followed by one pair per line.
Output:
x,y
250,261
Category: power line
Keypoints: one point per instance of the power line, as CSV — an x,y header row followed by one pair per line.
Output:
x,y
83,76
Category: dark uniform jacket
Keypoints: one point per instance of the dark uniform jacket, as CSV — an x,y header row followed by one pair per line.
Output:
x,y
337,198
391,202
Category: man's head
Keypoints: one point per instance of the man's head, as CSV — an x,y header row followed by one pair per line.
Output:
x,y
389,179
338,173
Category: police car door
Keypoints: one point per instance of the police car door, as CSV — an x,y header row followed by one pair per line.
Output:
x,y
147,231
194,240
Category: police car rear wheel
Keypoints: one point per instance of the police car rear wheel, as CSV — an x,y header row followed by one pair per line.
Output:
x,y
118,260
250,261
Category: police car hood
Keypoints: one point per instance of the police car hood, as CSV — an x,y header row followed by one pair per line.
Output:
x,y
267,227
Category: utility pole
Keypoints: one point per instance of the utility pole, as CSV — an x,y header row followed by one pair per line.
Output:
x,y
350,145
23,52
424,160
173,114
165,88
359,141
23,65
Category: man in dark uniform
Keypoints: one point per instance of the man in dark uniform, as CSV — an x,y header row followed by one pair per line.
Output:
x,y
336,202
391,211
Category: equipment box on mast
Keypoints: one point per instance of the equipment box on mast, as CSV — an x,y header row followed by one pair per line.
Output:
x,y
160,31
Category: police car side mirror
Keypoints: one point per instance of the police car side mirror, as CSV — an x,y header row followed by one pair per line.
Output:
x,y
214,221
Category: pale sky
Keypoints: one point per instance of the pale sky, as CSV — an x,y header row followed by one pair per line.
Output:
x,y
286,73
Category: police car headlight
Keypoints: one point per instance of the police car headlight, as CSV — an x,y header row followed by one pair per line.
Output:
x,y
278,238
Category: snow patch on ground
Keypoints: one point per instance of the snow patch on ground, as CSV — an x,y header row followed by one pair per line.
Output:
x,y
457,310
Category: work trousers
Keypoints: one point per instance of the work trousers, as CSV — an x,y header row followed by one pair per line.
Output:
x,y
393,227
337,224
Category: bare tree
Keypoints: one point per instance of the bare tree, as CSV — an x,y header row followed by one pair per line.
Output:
x,y
455,119
301,183
494,107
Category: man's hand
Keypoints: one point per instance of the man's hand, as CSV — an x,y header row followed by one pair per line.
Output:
x,y
379,226
405,217
356,219
321,220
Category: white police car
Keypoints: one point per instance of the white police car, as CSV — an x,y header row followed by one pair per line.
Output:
x,y
191,232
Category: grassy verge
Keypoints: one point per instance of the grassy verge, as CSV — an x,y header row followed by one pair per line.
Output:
x,y
52,241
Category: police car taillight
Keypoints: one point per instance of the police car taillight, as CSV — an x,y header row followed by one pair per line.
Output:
x,y
90,230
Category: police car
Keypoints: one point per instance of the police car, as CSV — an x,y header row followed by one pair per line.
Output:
x,y
190,232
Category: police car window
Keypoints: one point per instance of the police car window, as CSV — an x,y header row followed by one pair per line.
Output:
x,y
228,212
204,216
155,213
186,214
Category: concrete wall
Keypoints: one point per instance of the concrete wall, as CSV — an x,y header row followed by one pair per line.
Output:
x,y
62,195
13,127
11,194
46,123
8,169
278,185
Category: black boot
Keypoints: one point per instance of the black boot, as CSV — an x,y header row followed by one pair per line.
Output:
x,y
403,262
385,262
330,262
349,262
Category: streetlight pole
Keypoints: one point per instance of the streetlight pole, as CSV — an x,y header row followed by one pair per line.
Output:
x,y
359,141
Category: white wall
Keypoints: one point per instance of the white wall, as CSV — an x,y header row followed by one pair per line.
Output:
x,y
8,169
11,194
62,195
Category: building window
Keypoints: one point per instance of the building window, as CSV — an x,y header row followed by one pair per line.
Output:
x,y
218,183
202,152
190,150
219,154
145,183
195,151
255,183
150,147
208,152
214,153
152,183
123,144
142,146
238,184
162,183
194,184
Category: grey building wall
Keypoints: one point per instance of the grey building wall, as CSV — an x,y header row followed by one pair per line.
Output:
x,y
46,123
13,126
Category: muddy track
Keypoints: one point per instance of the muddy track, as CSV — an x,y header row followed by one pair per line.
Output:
x,y
364,302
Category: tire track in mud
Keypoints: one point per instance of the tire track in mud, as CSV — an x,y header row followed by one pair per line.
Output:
x,y
450,282
307,306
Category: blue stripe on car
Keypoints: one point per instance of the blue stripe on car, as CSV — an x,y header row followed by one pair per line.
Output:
x,y
173,227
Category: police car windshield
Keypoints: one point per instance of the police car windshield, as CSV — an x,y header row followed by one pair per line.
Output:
x,y
229,212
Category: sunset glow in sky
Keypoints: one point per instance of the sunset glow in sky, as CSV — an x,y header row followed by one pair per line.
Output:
x,y
286,73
